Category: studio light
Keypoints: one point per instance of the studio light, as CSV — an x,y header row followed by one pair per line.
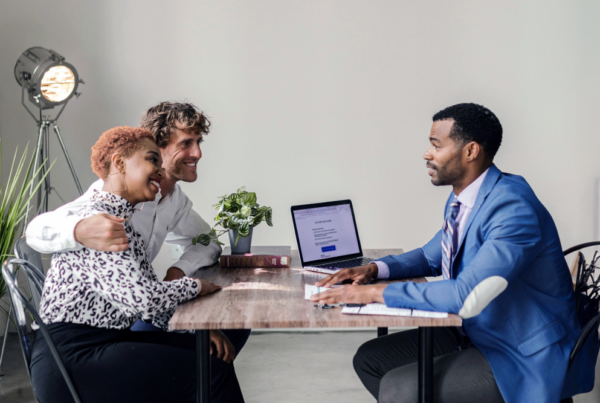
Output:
x,y
47,78
49,81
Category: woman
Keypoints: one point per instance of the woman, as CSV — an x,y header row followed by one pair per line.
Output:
x,y
91,299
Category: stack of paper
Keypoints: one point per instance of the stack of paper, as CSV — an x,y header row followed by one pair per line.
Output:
x,y
381,309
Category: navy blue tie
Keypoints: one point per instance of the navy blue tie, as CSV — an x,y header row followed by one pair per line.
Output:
x,y
450,238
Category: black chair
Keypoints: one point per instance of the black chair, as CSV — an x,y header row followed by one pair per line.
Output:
x,y
25,252
19,303
587,297
34,259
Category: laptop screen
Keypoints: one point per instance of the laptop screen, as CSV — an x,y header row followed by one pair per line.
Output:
x,y
326,232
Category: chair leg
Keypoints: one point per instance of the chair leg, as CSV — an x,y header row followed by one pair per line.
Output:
x,y
4,340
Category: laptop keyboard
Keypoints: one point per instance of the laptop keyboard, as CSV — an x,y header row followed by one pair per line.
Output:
x,y
360,261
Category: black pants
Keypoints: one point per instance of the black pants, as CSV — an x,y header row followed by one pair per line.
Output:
x,y
387,366
124,366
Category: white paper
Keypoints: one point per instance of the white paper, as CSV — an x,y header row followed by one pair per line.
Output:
x,y
381,309
310,290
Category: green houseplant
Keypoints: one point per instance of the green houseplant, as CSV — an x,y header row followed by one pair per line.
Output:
x,y
14,200
238,212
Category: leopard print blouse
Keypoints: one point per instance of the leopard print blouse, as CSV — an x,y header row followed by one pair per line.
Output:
x,y
110,289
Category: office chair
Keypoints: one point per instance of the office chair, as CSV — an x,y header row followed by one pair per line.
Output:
x,y
19,304
587,297
25,252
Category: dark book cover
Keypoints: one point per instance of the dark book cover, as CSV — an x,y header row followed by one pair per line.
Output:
x,y
259,257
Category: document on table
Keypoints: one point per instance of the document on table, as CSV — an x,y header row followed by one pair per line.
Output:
x,y
310,290
381,309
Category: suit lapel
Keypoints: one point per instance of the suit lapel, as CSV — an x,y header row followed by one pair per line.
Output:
x,y
486,187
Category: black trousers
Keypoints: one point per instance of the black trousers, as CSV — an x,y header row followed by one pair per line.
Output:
x,y
387,366
124,366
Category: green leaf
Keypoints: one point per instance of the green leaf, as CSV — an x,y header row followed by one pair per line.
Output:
x,y
249,199
258,218
244,229
245,211
269,216
204,239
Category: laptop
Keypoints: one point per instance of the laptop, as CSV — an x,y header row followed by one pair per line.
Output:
x,y
327,236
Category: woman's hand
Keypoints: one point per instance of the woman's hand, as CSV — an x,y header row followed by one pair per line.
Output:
x,y
206,287
224,347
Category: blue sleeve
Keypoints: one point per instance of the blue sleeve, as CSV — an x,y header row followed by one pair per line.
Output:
x,y
425,261
512,239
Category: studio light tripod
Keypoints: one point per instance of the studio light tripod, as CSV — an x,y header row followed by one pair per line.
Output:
x,y
49,81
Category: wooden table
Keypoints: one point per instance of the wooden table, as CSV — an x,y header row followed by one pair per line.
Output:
x,y
274,298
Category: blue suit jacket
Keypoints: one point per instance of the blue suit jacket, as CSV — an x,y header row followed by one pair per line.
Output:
x,y
527,332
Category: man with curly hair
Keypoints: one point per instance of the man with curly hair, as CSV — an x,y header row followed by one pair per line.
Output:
x,y
179,129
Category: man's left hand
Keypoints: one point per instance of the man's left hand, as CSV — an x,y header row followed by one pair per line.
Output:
x,y
351,294
174,273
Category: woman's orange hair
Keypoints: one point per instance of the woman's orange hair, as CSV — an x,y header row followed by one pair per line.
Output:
x,y
124,140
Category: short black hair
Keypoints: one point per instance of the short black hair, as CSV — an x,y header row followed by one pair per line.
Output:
x,y
476,123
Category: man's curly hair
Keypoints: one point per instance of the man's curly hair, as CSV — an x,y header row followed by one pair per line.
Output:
x,y
124,140
160,120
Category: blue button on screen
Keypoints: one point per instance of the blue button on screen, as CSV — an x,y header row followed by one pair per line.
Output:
x,y
328,248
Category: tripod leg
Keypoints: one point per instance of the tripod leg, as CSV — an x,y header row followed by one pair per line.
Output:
x,y
62,144
45,157
35,166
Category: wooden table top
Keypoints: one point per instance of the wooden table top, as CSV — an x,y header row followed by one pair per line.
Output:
x,y
274,298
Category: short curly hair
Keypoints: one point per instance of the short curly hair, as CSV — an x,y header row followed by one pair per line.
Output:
x,y
160,120
123,139
476,123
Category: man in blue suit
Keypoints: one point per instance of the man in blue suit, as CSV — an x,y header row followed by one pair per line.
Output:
x,y
504,274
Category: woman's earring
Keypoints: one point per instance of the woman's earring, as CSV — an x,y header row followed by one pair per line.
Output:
x,y
117,184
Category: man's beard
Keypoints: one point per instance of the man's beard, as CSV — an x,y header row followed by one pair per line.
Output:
x,y
178,172
448,174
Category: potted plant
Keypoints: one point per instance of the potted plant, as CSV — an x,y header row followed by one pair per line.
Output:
x,y
14,200
238,213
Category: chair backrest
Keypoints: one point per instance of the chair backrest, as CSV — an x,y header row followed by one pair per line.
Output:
x,y
582,360
35,275
20,303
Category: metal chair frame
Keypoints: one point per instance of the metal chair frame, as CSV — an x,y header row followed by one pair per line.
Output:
x,y
594,323
20,303
34,260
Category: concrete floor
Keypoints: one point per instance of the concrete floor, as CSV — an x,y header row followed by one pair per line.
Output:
x,y
273,367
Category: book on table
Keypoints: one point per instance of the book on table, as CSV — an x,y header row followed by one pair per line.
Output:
x,y
259,257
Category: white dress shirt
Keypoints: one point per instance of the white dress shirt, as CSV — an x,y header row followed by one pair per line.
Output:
x,y
467,200
173,221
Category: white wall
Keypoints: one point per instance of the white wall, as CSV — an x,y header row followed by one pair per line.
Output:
x,y
322,100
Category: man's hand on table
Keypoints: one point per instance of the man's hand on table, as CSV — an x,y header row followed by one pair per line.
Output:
x,y
351,294
225,349
358,275
102,232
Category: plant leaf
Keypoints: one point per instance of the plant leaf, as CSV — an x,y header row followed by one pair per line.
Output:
x,y
269,216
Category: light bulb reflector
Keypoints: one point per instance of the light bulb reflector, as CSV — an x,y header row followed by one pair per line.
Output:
x,y
58,83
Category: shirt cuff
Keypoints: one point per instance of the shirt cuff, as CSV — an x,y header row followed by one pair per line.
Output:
x,y
185,266
383,271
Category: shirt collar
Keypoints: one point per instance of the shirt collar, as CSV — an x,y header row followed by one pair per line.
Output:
x,y
115,205
469,194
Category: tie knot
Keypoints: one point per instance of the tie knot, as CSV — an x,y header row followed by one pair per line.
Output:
x,y
455,205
